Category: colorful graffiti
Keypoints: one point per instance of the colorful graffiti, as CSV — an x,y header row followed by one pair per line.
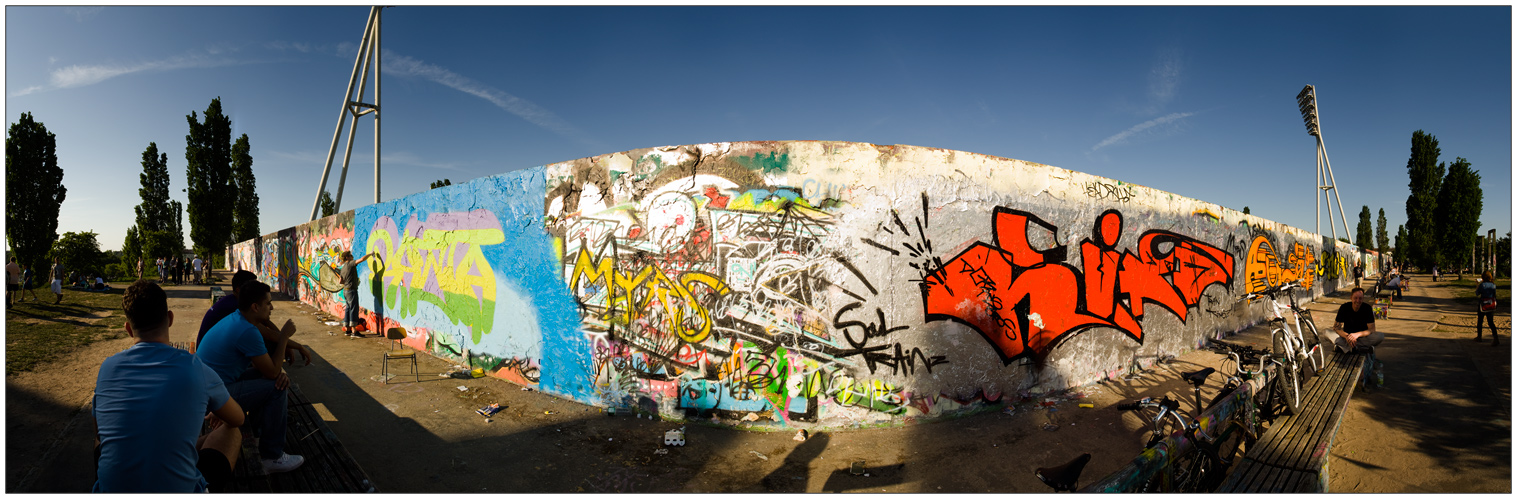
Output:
x,y
1264,268
439,262
781,282
1024,300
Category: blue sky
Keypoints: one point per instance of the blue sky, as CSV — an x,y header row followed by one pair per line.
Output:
x,y
1198,101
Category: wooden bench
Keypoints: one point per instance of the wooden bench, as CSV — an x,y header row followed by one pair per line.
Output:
x,y
328,465
1292,455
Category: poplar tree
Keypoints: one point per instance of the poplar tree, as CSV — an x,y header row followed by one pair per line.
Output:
x,y
1382,240
245,212
1365,232
33,191
208,157
1460,200
1426,176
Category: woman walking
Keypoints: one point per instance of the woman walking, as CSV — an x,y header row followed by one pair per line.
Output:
x,y
1485,308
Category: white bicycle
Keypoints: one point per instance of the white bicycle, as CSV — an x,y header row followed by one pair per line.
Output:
x,y
1298,354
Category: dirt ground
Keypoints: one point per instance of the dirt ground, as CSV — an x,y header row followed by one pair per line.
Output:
x,y
1441,424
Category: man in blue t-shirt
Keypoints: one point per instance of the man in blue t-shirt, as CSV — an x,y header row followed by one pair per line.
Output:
x,y
228,304
150,401
254,375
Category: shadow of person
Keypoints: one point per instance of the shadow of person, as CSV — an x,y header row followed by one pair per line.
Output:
x,y
377,288
795,473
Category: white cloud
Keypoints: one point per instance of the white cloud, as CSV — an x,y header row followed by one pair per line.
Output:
x,y
400,65
82,75
82,13
27,90
1164,78
1146,128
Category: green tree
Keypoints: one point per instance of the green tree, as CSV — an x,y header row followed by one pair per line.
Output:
x,y
208,157
441,183
154,212
33,191
1426,176
245,213
1382,239
1460,200
328,206
1245,210
80,252
131,250
1365,236
1400,249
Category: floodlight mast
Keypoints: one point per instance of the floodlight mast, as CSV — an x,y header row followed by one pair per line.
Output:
x,y
1307,102
368,56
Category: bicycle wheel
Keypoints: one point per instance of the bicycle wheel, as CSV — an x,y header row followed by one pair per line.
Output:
x,y
1210,473
1289,376
1317,348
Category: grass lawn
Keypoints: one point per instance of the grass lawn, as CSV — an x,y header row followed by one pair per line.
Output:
x,y
1464,291
39,331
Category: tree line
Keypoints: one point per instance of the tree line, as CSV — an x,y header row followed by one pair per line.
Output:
x,y
222,200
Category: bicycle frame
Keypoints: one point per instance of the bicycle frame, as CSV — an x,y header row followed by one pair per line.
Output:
x,y
1158,460
1296,343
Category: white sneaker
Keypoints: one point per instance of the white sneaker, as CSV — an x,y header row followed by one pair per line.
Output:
x,y
285,463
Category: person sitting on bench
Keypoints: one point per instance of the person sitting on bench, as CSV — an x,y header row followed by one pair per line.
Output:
x,y
149,405
228,304
1355,325
253,373
1395,283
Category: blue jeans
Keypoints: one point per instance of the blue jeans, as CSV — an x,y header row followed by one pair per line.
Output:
x,y
266,407
350,315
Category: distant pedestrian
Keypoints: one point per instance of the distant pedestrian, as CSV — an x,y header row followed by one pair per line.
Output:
x,y
26,283
1435,273
1485,308
59,272
195,265
12,281
1358,273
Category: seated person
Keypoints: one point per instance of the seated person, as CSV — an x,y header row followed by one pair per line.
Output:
x,y
253,374
228,304
100,283
1395,283
150,401
1355,324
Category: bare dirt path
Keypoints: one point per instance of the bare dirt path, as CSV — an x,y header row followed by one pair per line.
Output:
x,y
1443,422
425,437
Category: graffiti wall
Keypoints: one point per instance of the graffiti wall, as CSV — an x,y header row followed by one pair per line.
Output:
x,y
800,283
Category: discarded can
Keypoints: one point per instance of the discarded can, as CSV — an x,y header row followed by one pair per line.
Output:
x,y
800,436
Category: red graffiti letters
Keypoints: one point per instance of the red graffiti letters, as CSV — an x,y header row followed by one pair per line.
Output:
x,y
1023,300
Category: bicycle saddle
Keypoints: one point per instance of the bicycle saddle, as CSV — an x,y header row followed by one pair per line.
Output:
x,y
1062,478
1198,378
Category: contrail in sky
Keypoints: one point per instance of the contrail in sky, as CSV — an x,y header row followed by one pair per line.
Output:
x,y
399,64
1123,135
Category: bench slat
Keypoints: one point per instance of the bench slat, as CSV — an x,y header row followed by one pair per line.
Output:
x,y
1292,455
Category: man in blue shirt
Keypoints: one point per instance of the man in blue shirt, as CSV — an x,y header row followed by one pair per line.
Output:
x,y
150,401
228,304
254,375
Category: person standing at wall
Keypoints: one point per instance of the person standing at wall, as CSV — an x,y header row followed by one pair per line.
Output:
x,y
348,277
1485,306
58,273
1358,273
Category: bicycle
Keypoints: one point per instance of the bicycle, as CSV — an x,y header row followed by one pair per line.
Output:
x,y
1240,357
1297,363
1185,460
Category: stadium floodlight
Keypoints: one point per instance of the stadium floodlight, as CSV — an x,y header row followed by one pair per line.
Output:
x,y
1306,101
368,55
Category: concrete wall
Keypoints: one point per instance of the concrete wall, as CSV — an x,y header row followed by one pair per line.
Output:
x,y
802,283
